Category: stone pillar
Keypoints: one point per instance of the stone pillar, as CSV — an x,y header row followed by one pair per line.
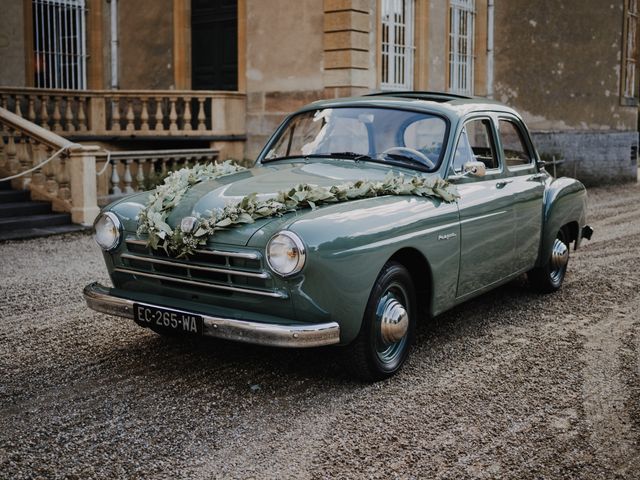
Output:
x,y
349,65
82,173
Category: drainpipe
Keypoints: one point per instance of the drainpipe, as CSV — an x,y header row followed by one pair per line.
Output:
x,y
490,14
114,44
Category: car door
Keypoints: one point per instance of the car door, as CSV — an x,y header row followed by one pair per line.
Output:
x,y
519,157
485,206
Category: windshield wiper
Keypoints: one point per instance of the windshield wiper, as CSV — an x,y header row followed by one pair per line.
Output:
x,y
348,155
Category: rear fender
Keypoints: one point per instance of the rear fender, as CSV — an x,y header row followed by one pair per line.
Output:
x,y
565,203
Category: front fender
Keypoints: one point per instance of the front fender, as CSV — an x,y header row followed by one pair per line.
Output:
x,y
565,202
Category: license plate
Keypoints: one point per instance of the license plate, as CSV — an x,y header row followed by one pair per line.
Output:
x,y
165,319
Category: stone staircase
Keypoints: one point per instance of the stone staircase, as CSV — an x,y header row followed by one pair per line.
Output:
x,y
21,217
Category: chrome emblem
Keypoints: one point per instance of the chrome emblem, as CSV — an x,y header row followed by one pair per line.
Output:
x,y
187,224
447,236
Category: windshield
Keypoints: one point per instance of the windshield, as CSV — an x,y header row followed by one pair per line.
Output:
x,y
363,133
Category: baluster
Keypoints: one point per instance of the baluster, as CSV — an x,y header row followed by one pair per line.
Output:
x,y
130,126
49,172
173,115
3,101
24,161
64,190
126,178
44,112
140,175
163,166
32,109
82,116
115,114
3,148
39,155
11,153
159,116
115,178
187,114
69,127
56,114
18,107
201,116
144,116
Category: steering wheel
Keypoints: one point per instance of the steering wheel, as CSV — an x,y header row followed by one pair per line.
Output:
x,y
411,154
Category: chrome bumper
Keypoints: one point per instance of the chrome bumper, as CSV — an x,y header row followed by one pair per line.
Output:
x,y
100,299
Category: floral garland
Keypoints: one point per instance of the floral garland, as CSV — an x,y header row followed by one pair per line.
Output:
x,y
180,243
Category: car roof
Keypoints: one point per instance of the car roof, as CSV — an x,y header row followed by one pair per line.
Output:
x,y
448,104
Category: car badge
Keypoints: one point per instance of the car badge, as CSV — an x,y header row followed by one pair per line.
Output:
x,y
187,224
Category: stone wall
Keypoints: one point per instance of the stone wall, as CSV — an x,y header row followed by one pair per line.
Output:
x,y
559,64
595,158
12,45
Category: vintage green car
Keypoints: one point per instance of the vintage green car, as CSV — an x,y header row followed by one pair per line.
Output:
x,y
361,218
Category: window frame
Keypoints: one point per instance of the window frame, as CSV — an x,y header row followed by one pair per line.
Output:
x,y
456,64
60,59
493,139
524,138
630,55
390,56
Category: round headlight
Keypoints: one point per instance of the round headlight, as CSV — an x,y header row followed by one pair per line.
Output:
x,y
108,231
286,253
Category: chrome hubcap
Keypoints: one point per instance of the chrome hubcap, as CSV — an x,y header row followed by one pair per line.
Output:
x,y
559,259
394,321
392,324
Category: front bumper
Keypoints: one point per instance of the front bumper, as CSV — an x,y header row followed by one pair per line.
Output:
x,y
100,299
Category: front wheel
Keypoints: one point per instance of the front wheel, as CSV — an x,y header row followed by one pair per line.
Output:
x,y
548,278
388,326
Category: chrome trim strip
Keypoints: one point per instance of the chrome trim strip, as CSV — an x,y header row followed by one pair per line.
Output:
x,y
159,261
170,278
245,255
99,298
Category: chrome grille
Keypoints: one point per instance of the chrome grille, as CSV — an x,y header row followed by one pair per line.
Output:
x,y
224,272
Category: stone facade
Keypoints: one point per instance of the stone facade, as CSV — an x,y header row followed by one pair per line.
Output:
x,y
559,64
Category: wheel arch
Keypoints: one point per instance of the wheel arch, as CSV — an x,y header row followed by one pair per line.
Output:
x,y
421,275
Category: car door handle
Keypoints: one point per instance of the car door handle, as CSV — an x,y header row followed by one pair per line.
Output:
x,y
502,183
537,176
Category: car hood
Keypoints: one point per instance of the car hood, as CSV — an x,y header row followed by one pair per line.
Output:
x,y
265,182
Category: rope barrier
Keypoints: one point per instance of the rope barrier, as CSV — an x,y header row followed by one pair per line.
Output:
x,y
18,175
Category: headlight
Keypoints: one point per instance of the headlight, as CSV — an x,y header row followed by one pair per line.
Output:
x,y
108,231
286,253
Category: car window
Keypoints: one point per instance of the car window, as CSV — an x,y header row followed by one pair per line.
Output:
x,y
384,135
426,135
476,144
514,149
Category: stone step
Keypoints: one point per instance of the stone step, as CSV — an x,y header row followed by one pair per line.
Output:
x,y
34,221
7,196
15,209
25,233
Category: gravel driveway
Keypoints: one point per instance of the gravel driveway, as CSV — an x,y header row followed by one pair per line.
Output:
x,y
509,385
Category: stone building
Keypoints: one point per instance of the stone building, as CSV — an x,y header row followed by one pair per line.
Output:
x,y
167,74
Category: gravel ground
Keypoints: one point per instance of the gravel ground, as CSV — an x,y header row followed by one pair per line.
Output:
x,y
509,385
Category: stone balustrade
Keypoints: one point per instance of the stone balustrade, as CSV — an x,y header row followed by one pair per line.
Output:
x,y
129,113
124,172
68,181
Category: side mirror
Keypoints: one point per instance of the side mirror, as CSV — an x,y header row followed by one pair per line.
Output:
x,y
474,169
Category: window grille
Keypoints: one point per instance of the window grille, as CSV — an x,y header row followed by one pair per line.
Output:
x,y
630,88
59,39
461,31
397,44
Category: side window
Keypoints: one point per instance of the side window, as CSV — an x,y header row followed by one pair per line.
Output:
x,y
514,149
476,144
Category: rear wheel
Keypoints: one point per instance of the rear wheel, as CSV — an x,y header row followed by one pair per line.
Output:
x,y
388,326
548,277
